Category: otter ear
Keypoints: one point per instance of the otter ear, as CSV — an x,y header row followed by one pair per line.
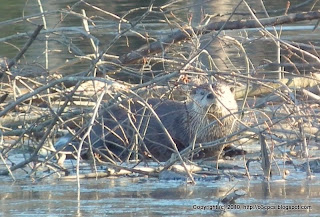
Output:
x,y
232,89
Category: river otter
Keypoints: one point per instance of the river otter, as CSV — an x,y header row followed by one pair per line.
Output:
x,y
130,126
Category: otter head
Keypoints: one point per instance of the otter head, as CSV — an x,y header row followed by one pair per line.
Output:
x,y
216,99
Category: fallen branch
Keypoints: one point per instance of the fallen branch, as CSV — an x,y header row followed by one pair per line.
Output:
x,y
296,82
185,33
110,83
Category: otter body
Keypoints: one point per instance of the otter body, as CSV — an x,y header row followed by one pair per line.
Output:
x,y
118,134
208,115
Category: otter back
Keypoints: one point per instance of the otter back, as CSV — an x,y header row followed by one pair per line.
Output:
x,y
131,124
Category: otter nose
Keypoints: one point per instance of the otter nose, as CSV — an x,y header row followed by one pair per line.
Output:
x,y
210,96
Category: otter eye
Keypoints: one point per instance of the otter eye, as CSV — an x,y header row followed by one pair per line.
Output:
x,y
210,96
202,92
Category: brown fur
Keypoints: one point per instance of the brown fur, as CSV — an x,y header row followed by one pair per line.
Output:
x,y
184,121
208,115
